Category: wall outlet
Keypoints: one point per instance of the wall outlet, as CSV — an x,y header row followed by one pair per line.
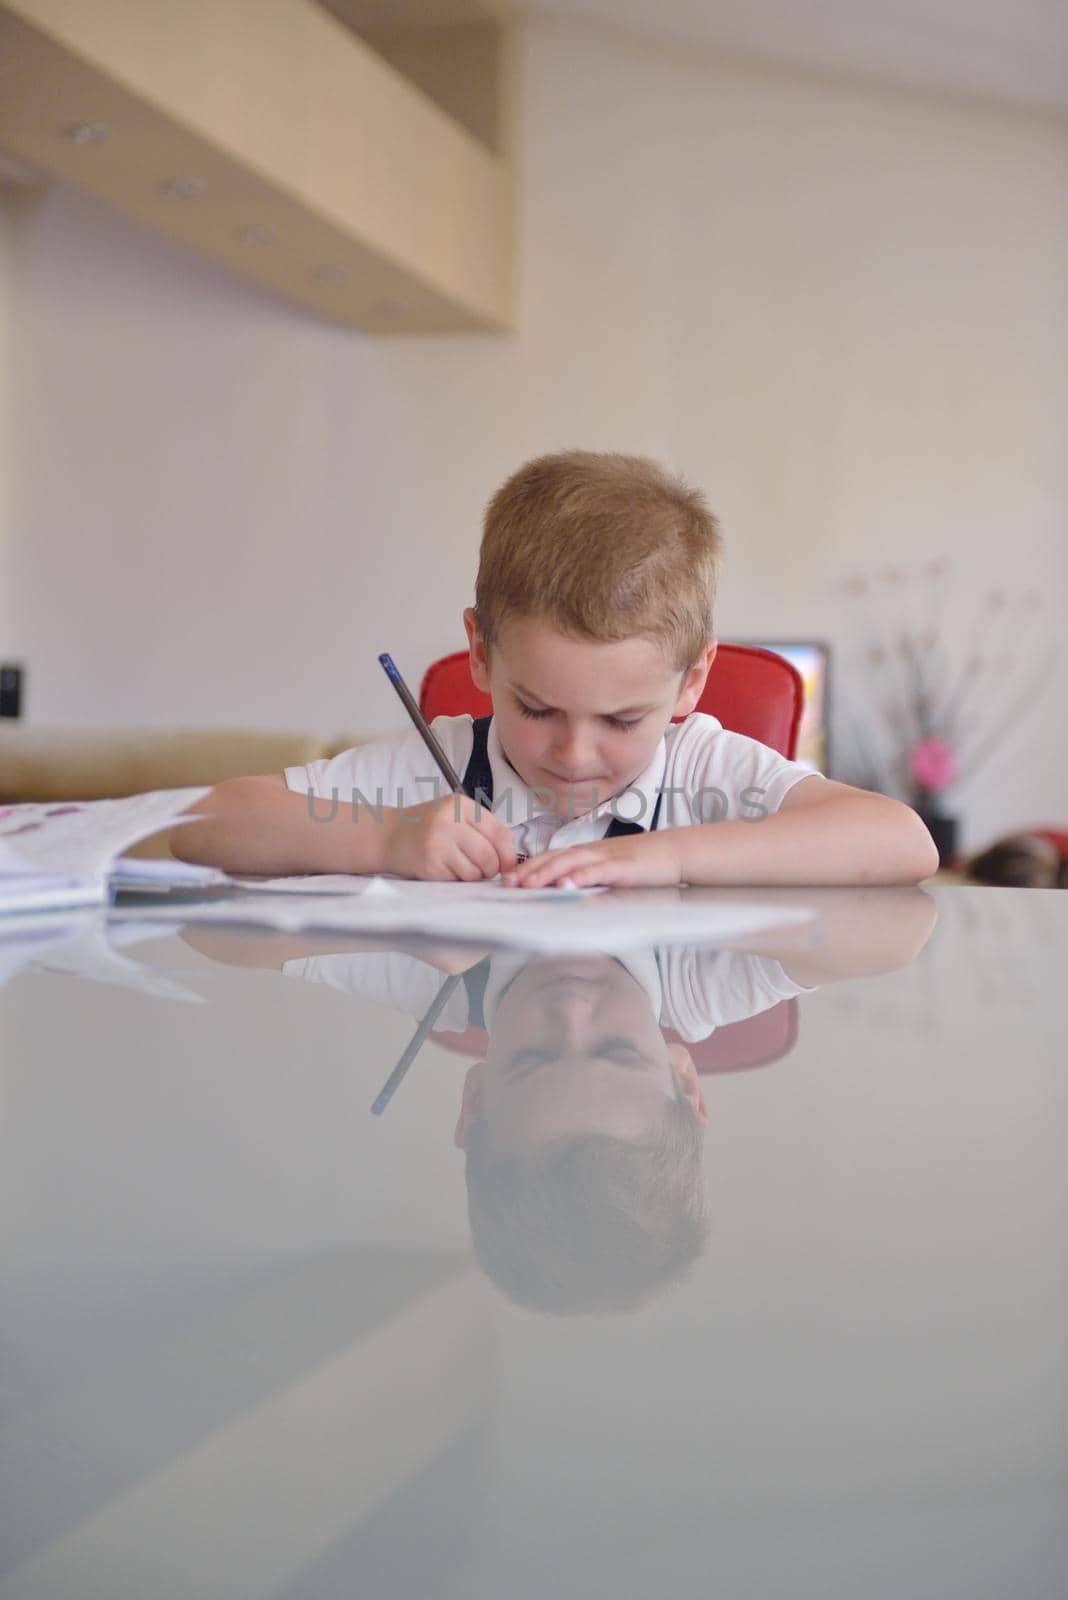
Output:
x,y
10,690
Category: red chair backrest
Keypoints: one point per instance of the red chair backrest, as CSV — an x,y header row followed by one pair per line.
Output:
x,y
751,691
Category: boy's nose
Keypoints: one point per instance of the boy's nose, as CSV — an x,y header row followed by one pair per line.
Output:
x,y
573,755
570,1009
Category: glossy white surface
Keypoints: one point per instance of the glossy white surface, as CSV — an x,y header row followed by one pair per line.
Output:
x,y
246,1350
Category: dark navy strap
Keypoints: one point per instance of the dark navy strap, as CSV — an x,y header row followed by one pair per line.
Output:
x,y
479,775
478,778
475,979
620,829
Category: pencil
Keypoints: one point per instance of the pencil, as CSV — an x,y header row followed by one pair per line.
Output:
x,y
411,705
415,1044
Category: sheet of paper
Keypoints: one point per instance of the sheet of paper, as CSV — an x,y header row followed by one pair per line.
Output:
x,y
605,923
133,872
43,891
339,883
80,840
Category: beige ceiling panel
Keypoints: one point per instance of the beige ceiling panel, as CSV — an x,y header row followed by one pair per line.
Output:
x,y
264,134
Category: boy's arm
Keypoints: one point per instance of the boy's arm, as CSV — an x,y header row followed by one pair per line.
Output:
x,y
823,833
858,933
258,825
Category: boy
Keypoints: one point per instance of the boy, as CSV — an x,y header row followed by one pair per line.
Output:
x,y
592,630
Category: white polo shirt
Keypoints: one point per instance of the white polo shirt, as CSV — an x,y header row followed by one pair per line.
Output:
x,y
706,774
692,990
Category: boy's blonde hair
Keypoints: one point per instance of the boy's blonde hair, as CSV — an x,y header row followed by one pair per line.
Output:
x,y
604,547
589,1222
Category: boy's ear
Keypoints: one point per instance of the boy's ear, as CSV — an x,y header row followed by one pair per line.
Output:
x,y
682,1065
472,1085
479,656
693,685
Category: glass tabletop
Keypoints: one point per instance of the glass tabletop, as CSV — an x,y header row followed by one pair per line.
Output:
x,y
338,1268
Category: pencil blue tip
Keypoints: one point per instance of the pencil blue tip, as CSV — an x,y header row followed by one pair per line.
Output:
x,y
389,665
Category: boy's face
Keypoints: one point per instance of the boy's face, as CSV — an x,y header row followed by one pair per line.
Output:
x,y
578,719
575,1048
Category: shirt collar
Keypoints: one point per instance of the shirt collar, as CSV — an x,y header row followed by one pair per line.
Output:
x,y
504,774
646,785
504,965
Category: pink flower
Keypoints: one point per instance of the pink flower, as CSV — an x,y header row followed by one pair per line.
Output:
x,y
933,764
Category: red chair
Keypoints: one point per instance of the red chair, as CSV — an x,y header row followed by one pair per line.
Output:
x,y
751,691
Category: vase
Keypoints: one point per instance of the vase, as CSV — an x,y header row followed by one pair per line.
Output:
x,y
942,828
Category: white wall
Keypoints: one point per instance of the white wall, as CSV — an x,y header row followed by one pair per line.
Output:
x,y
842,310
7,233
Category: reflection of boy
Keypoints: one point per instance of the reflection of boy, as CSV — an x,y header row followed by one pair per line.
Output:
x,y
689,989
583,1127
583,1133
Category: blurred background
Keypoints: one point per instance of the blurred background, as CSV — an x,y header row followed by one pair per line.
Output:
x,y
287,289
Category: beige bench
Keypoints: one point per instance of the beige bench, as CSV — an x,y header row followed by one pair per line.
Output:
x,y
57,763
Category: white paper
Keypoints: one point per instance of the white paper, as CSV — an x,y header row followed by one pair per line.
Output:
x,y
81,839
135,872
607,923
62,853
42,891
413,889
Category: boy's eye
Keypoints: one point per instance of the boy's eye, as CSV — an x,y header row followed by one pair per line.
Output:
x,y
531,1057
621,1050
613,722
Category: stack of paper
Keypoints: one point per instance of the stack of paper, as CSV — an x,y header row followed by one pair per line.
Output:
x,y
66,855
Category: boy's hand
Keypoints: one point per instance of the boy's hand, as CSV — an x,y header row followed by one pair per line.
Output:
x,y
639,860
428,841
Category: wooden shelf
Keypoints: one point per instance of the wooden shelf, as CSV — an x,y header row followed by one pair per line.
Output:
x,y
270,136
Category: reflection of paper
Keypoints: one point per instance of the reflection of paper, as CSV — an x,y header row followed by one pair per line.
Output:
x,y
24,938
90,955
339,883
608,922
85,947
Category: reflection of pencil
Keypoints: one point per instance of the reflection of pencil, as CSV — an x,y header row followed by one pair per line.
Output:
x,y
411,705
396,1077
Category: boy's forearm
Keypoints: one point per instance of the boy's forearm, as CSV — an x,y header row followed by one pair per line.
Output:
x,y
857,838
858,932
255,825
